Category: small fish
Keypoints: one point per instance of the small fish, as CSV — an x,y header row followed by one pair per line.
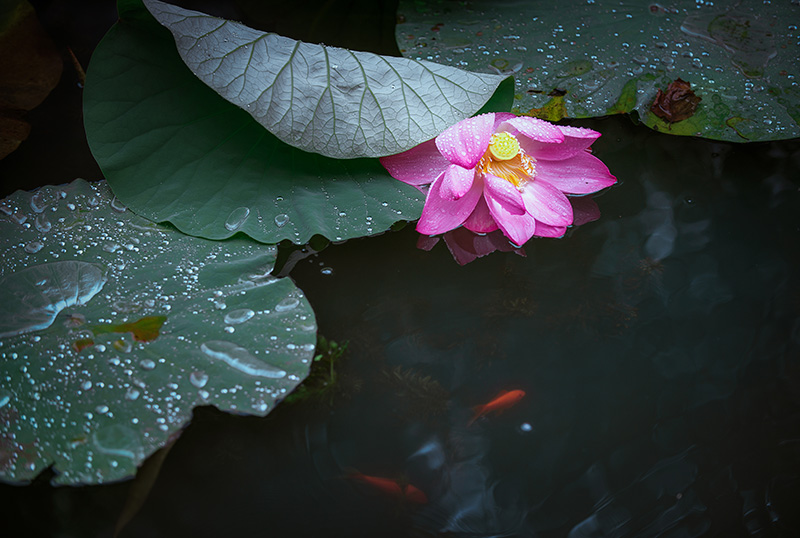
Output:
x,y
501,402
393,488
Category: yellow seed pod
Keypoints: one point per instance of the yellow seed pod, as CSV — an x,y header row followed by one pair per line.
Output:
x,y
503,146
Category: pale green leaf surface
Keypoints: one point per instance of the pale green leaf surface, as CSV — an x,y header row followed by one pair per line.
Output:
x,y
328,100
84,387
173,150
579,58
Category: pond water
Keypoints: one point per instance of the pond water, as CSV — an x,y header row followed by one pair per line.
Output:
x,y
658,349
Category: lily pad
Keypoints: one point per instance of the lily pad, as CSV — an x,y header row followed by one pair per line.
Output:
x,y
328,100
584,58
114,328
173,150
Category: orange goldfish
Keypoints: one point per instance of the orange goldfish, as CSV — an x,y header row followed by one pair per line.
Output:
x,y
394,488
501,402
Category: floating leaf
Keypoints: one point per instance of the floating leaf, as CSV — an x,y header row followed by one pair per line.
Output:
x,y
336,102
173,150
609,59
106,325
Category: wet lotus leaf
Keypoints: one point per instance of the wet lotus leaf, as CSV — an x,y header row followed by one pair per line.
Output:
x,y
328,100
173,150
584,58
114,328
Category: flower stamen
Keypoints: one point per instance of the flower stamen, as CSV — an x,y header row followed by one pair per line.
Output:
x,y
505,159
503,146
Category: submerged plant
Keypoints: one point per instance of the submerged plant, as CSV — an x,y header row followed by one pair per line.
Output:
x,y
322,382
417,395
499,170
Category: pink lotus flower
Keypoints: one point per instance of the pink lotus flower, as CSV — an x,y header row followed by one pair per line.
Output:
x,y
502,171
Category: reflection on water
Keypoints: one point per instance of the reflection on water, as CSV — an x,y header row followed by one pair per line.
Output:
x,y
659,350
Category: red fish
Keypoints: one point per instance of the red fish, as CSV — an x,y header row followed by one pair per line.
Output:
x,y
501,402
393,488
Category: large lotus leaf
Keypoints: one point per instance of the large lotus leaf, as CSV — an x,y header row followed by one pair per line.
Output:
x,y
173,150
336,102
579,58
114,328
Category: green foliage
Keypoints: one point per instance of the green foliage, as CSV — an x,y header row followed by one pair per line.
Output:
x,y
336,102
582,59
175,151
114,328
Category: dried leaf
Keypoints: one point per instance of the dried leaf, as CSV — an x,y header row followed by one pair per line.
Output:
x,y
30,67
677,104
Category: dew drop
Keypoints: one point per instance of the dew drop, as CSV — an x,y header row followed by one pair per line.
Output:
x,y
126,346
118,206
132,393
19,218
118,440
281,220
234,317
40,200
198,379
42,224
33,247
240,359
237,217
58,285
287,304
147,364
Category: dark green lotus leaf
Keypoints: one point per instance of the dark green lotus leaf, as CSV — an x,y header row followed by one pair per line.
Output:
x,y
114,328
173,150
582,58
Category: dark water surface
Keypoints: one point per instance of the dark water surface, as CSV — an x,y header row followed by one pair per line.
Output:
x,y
659,350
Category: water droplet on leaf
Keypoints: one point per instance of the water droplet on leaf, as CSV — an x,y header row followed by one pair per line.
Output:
x,y
281,220
198,379
237,217
239,358
287,304
234,317
28,307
